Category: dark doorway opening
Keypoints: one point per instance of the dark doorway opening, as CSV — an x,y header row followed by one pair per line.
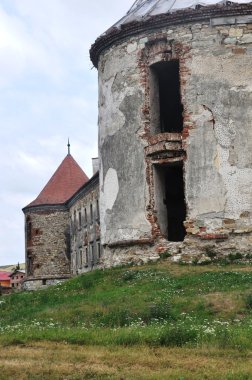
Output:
x,y
166,77
175,203
170,200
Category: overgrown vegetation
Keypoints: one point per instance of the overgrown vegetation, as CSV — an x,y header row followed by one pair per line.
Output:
x,y
157,305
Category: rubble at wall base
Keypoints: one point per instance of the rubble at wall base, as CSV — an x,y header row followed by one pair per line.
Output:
x,y
193,250
38,284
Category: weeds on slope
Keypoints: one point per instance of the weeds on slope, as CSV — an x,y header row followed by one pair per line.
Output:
x,y
155,305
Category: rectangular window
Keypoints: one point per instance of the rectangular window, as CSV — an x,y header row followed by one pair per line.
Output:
x,y
166,106
80,258
29,230
80,219
29,263
97,209
91,251
98,249
85,215
91,214
86,256
75,225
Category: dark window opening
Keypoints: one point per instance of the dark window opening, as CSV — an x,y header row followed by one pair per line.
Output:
x,y
29,264
43,282
165,97
97,209
74,219
86,257
91,250
29,230
80,219
80,258
170,201
91,214
98,250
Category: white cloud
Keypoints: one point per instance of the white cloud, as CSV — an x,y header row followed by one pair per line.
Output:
x,y
47,94
20,52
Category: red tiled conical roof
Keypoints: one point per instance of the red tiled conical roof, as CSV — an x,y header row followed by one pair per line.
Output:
x,y
68,178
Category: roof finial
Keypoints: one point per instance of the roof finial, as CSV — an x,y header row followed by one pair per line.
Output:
x,y
68,146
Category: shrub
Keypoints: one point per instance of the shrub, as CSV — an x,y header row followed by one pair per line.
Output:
x,y
129,275
177,336
119,317
158,311
235,256
165,255
248,302
195,261
210,253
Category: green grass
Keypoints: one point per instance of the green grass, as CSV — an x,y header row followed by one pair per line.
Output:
x,y
156,305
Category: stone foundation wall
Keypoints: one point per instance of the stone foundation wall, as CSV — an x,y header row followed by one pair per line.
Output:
x,y
38,284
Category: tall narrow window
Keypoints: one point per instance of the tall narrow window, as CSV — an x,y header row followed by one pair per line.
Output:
x,y
170,201
29,263
28,229
165,97
85,216
97,209
80,258
74,219
86,256
80,219
91,213
98,250
91,250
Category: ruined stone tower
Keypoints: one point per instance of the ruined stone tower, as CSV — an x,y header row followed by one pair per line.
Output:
x,y
175,130
47,227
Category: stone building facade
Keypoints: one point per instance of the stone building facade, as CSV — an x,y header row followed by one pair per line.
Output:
x,y
85,227
175,130
58,243
17,278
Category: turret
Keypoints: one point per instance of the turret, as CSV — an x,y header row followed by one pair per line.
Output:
x,y
47,229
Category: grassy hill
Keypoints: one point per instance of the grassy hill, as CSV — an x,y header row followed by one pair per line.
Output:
x,y
160,304
10,268
154,306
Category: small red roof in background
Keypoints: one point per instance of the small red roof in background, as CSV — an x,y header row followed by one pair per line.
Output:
x,y
68,178
5,276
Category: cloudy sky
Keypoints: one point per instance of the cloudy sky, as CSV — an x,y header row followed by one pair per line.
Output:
x,y
48,92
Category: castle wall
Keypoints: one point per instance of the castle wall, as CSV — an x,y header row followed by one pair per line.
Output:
x,y
214,147
86,248
47,246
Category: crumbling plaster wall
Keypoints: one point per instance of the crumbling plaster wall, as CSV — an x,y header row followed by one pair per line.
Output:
x,y
122,192
48,248
218,169
216,92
